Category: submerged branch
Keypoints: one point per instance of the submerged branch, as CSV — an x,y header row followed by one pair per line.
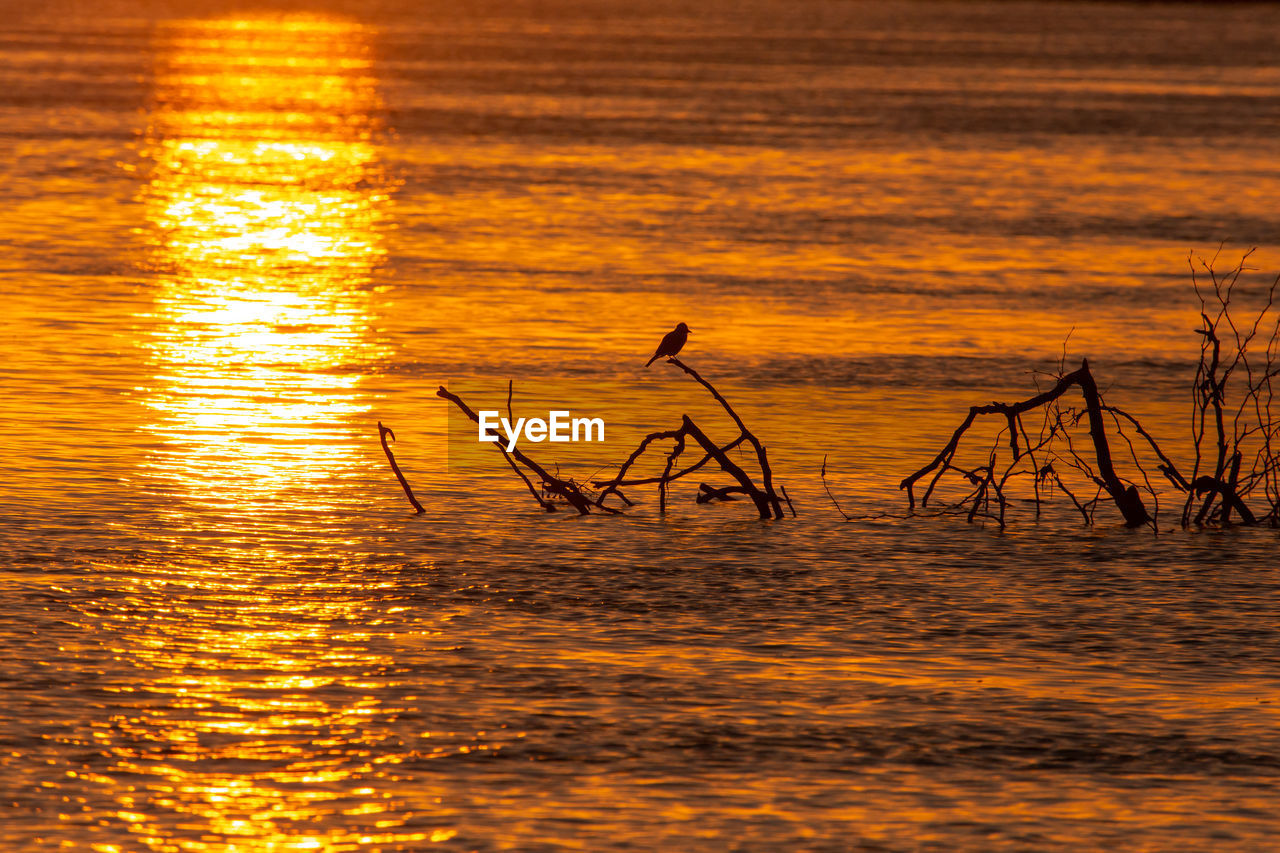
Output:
x,y
383,432
823,476
566,489
766,500
762,455
1126,498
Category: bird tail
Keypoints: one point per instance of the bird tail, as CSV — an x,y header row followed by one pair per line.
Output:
x,y
652,360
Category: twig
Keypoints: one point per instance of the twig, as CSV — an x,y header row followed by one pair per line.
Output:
x,y
563,488
823,475
383,432
1126,499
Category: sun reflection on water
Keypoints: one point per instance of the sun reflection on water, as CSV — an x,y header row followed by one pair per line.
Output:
x,y
266,213
265,208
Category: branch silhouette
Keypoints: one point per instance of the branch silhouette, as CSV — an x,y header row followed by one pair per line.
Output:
x,y
1235,431
1125,496
383,432
556,490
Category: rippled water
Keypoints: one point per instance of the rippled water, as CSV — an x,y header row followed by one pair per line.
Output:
x,y
236,240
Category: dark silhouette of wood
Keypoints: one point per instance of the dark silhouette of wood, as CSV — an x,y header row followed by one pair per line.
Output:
x,y
611,486
1209,488
708,493
1167,468
823,476
986,487
383,432
548,505
676,450
568,490
1236,441
786,497
556,490
767,504
1233,422
1235,430
765,497
762,456
1126,498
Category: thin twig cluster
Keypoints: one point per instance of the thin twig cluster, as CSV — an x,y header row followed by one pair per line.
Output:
x,y
1235,477
1234,430
553,491
1041,459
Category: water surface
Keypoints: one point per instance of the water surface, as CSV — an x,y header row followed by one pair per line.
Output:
x,y
237,239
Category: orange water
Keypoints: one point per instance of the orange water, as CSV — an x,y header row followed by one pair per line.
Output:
x,y
236,242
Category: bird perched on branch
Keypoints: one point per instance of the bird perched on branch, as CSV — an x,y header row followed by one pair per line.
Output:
x,y
671,344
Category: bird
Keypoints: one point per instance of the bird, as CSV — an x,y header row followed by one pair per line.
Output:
x,y
671,344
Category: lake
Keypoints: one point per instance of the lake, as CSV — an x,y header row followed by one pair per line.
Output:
x,y
239,236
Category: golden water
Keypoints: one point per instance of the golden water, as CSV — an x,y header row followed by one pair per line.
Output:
x,y
238,241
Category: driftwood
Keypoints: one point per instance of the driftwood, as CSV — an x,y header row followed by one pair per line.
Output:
x,y
822,475
989,482
767,500
383,432
567,490
553,490
1235,477
1232,398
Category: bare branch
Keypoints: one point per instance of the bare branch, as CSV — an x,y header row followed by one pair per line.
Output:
x,y
383,432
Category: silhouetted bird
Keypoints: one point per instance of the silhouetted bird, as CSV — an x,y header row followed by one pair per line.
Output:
x,y
671,343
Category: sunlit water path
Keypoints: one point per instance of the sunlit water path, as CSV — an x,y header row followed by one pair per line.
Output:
x,y
237,242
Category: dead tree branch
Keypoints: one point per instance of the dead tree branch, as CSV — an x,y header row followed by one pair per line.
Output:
x,y
568,490
1126,497
1235,432
823,476
556,490
383,432
762,456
